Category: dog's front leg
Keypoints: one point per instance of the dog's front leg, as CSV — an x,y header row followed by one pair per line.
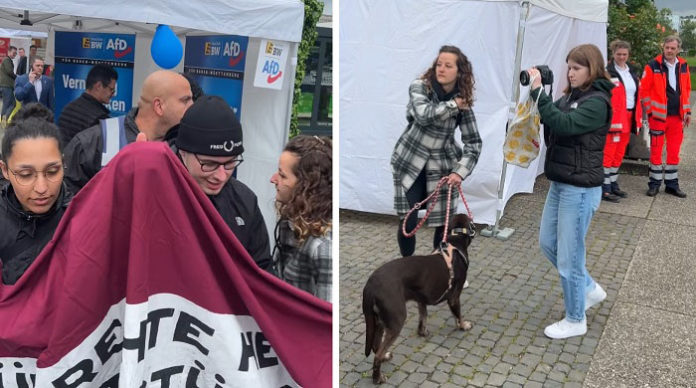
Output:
x,y
455,307
422,317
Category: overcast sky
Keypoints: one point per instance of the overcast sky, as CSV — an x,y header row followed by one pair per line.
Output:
x,y
678,7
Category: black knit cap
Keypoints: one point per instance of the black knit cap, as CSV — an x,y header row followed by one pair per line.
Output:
x,y
210,127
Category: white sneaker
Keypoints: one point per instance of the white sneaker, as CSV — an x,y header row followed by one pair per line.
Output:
x,y
466,284
595,296
564,329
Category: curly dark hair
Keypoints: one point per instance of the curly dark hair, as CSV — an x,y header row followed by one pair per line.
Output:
x,y
465,74
309,207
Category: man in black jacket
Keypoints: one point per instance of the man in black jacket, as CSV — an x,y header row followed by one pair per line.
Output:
x,y
22,64
209,143
86,110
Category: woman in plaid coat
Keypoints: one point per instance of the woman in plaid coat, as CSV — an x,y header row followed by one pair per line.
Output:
x,y
439,102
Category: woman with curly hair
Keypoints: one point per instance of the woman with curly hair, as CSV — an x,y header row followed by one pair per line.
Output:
x,y
439,102
302,254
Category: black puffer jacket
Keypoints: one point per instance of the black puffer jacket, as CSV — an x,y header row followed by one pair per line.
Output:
x,y
575,129
25,234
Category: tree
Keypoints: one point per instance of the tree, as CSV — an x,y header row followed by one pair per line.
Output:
x,y
312,13
688,35
639,23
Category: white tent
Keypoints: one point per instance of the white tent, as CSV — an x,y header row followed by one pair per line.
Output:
x,y
385,45
265,112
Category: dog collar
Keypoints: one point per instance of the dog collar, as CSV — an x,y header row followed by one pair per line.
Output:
x,y
459,231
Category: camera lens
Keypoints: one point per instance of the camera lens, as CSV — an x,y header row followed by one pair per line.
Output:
x,y
524,78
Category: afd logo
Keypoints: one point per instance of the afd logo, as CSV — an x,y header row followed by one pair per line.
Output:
x,y
229,49
118,46
272,68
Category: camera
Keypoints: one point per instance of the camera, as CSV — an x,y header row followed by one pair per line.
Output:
x,y
546,75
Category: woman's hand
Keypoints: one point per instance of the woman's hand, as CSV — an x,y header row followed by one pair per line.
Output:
x,y
454,179
536,76
461,103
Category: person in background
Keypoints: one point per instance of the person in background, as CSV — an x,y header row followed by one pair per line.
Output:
x,y
440,101
22,63
34,86
86,110
575,127
7,81
625,119
164,98
196,93
33,197
664,91
210,144
302,253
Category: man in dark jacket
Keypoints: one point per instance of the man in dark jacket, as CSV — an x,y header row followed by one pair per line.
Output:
x,y
209,143
86,110
7,80
164,98
22,65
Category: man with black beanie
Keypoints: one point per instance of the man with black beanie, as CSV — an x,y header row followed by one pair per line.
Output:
x,y
210,145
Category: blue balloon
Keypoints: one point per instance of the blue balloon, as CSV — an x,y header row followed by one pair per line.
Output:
x,y
166,48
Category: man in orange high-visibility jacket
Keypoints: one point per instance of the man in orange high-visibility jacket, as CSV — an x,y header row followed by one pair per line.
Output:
x,y
664,93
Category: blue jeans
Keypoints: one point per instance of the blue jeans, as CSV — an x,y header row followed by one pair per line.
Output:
x,y
567,214
8,101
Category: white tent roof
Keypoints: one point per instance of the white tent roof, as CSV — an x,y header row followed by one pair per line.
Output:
x,y
271,19
589,10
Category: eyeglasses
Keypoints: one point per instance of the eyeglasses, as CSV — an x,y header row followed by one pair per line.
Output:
x,y
111,90
28,176
210,166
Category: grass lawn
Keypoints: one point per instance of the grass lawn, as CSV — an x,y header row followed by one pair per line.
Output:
x,y
692,64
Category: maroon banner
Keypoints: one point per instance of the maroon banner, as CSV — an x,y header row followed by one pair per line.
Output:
x,y
144,283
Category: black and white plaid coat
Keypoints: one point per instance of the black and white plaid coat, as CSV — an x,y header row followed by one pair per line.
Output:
x,y
428,142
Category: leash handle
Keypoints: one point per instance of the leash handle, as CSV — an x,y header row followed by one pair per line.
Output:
x,y
418,206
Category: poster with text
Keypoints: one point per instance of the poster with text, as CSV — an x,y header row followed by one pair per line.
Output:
x,y
77,52
216,63
273,55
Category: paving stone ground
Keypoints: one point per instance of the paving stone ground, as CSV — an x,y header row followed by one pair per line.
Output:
x,y
514,294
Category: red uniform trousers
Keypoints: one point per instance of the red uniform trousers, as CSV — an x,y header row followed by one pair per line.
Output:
x,y
614,151
673,135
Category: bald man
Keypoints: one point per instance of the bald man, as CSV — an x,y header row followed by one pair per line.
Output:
x,y
164,98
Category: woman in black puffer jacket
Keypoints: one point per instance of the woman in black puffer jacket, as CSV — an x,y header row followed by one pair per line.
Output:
x,y
33,197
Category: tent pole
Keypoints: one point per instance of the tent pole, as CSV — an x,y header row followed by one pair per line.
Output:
x,y
495,231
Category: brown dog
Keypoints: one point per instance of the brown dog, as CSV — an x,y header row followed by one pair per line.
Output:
x,y
426,279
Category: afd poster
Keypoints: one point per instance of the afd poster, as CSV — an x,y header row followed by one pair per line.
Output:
x,y
217,62
269,69
77,52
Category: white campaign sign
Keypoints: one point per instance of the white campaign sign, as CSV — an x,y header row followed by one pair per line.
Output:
x,y
167,341
273,55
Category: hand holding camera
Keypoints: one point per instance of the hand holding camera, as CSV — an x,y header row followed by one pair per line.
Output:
x,y
541,75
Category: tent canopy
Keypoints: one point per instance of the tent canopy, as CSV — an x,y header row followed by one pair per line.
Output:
x,y
271,19
385,45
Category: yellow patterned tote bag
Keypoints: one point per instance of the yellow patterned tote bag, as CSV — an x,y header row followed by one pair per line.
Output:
x,y
522,139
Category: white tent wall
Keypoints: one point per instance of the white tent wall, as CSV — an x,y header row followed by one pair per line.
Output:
x,y
265,117
385,45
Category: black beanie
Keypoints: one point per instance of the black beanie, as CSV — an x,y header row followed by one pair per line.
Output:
x,y
210,127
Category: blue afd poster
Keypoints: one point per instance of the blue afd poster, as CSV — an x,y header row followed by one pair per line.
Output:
x,y
77,52
216,62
